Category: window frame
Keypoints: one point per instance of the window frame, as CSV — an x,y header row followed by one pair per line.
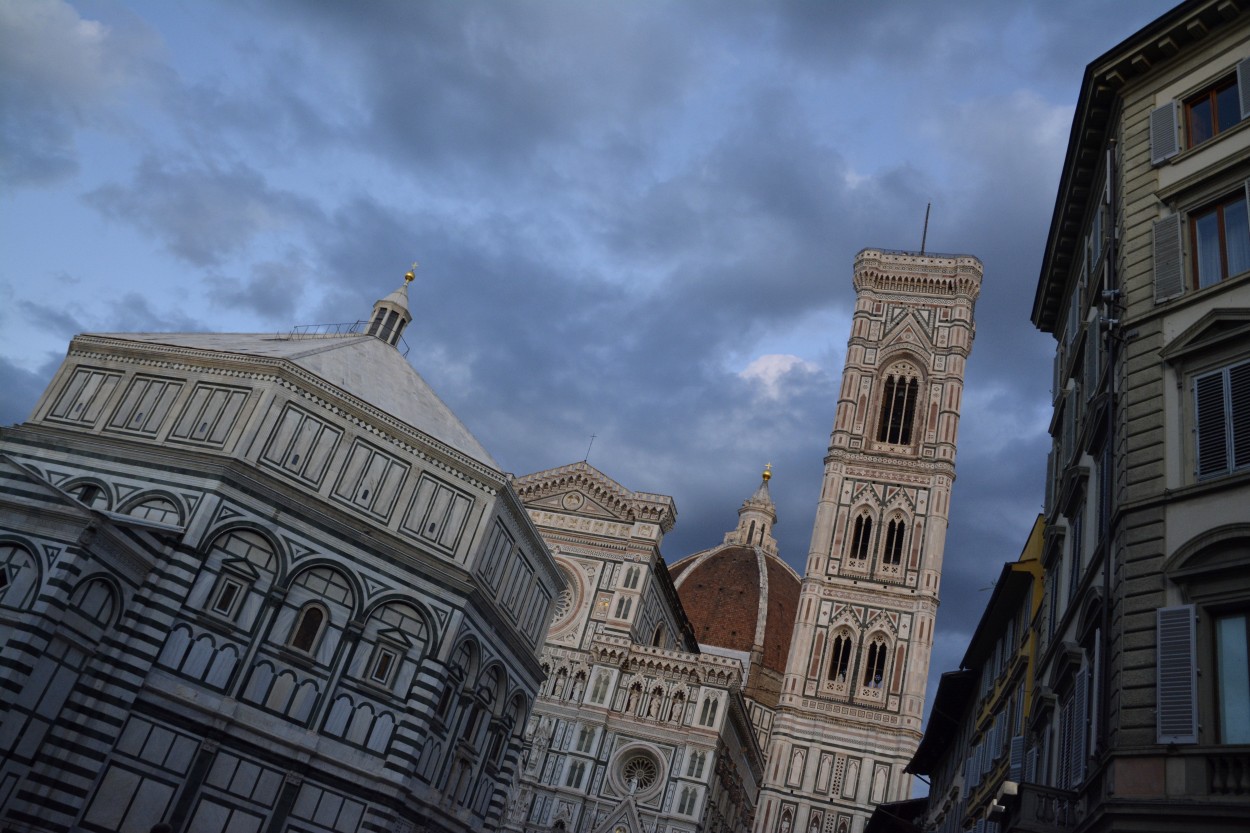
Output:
x,y
380,650
1210,94
300,618
1230,418
224,580
1217,208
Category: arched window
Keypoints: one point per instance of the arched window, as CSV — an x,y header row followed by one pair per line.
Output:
x,y
19,576
898,409
688,794
600,690
623,607
307,628
861,539
157,509
657,639
695,768
708,716
631,578
874,668
840,663
893,553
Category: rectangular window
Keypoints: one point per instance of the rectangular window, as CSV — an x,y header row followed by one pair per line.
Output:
x,y
383,663
225,600
1233,678
1212,111
1222,420
1221,240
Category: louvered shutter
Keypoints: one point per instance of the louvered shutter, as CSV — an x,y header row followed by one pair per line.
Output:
x,y
1177,675
1243,86
1065,745
1015,765
1164,133
1239,413
1210,426
1080,726
1030,766
1169,269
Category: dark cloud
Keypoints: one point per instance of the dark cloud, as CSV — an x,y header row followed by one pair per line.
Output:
x,y
273,290
619,208
203,213
22,388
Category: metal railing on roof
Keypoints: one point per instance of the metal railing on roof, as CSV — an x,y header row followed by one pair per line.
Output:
x,y
346,330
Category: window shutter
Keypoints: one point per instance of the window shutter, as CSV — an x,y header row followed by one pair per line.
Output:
x,y
1015,766
1169,270
1080,726
1064,773
1164,134
1030,766
1243,86
1177,675
1210,427
1239,413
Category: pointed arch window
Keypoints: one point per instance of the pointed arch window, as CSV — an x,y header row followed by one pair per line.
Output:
x,y
631,578
861,539
892,555
874,667
840,658
898,409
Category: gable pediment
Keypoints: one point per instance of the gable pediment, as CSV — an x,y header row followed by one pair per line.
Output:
x,y
908,330
1214,330
583,490
576,501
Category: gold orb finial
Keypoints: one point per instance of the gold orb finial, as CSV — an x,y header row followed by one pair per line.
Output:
x,y
768,472
411,274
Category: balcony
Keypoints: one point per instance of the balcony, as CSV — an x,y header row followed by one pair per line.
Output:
x,y
1038,809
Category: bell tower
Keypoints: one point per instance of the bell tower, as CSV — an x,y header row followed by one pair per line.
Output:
x,y
849,716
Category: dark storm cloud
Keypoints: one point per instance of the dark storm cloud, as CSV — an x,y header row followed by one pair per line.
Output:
x,y
21,388
203,213
618,208
273,290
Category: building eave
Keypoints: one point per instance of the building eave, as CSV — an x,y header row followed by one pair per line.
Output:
x,y
1104,78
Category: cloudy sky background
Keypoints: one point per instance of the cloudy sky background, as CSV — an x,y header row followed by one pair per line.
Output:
x,y
634,219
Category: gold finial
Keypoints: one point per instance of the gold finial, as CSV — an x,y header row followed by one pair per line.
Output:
x,y
768,472
411,274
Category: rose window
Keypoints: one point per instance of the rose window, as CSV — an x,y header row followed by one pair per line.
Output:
x,y
639,772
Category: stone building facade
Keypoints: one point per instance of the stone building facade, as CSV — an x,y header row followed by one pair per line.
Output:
x,y
974,752
260,583
1142,718
850,708
635,729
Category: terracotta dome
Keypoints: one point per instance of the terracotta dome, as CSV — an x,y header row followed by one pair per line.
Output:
x,y
742,597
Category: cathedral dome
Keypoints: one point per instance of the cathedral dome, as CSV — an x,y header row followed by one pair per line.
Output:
x,y
741,597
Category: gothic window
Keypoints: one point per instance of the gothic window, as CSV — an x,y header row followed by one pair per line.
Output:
x,y
631,578
308,627
898,409
600,690
694,769
686,807
861,539
657,640
585,739
840,663
893,553
874,668
708,716
623,607
577,770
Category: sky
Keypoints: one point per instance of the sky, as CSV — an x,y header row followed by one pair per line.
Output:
x,y
634,220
